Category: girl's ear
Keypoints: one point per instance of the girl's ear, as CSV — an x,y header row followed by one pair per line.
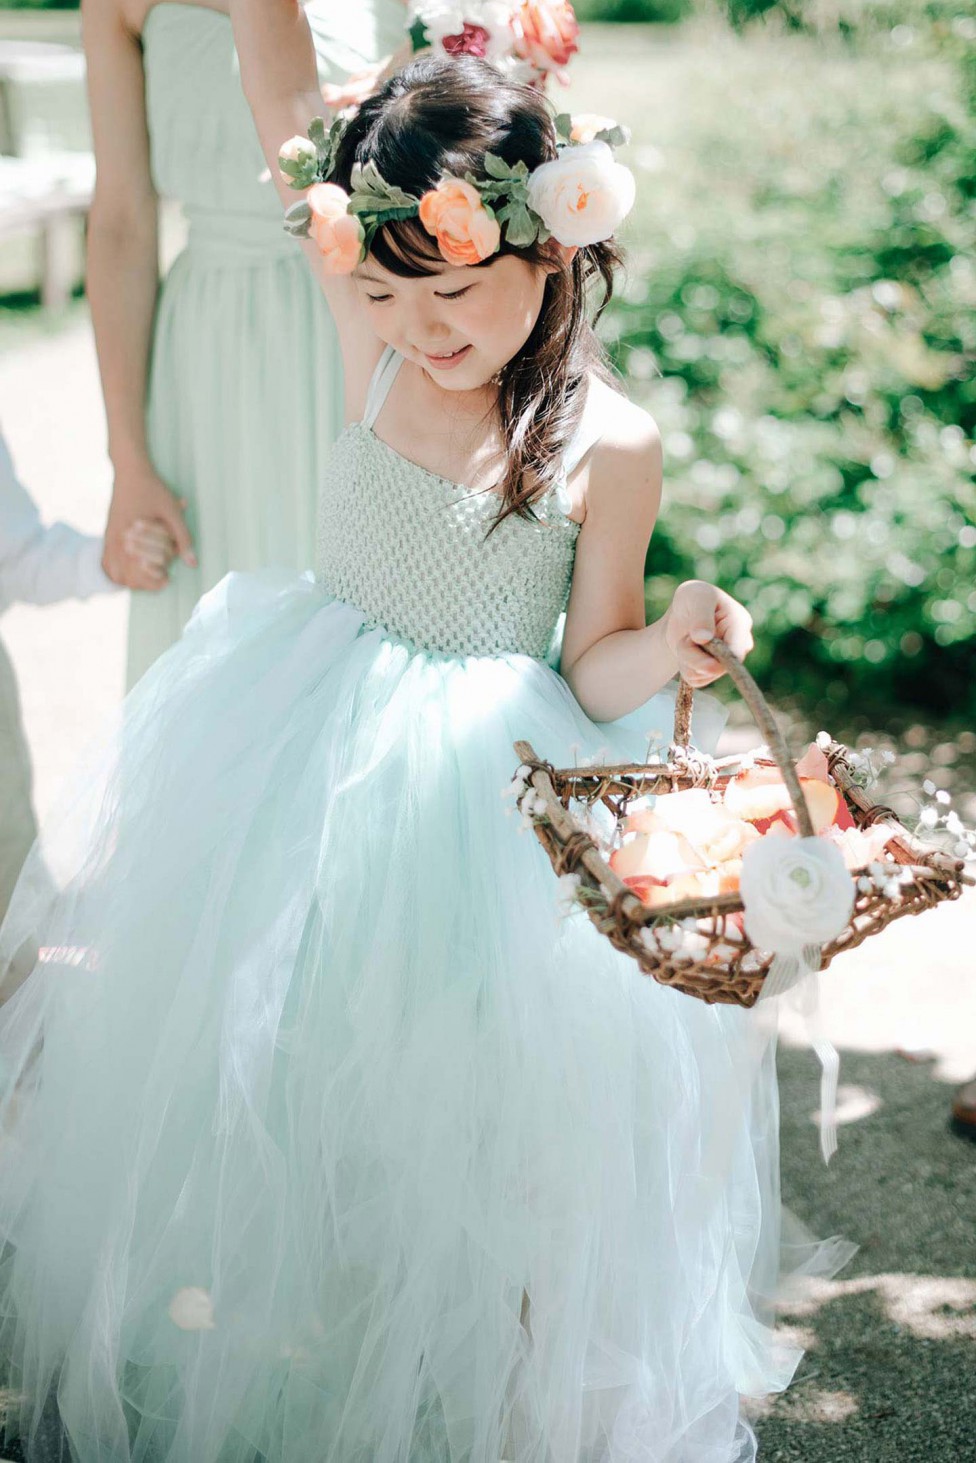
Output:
x,y
561,257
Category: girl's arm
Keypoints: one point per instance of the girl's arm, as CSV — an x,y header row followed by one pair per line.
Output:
x,y
280,80
612,660
40,565
122,278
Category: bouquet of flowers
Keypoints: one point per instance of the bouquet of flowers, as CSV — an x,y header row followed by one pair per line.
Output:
x,y
530,40
734,878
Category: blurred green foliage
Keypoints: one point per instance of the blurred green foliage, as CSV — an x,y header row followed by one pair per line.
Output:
x,y
657,12
801,318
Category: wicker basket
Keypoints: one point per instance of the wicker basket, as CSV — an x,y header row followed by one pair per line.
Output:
x,y
728,970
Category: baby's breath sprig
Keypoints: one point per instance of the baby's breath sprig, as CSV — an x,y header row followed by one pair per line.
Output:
x,y
937,817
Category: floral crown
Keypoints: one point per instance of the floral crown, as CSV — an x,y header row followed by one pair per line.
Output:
x,y
579,198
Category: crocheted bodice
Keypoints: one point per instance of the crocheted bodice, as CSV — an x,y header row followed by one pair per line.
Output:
x,y
409,548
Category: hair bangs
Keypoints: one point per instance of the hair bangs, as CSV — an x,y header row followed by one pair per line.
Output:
x,y
406,249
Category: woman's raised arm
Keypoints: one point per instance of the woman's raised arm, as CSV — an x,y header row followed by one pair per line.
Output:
x,y
280,80
123,278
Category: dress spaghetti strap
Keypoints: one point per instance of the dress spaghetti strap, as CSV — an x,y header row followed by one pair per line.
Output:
x,y
382,379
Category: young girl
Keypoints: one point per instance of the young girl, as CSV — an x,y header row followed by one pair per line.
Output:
x,y
331,1141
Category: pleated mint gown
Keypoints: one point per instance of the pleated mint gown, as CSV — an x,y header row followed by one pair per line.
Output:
x,y
245,393
323,1137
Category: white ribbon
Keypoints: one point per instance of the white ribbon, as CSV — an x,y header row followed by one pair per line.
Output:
x,y
790,972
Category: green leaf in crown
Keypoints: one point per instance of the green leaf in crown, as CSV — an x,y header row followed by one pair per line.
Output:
x,y
372,194
564,127
507,183
615,136
327,144
297,219
522,226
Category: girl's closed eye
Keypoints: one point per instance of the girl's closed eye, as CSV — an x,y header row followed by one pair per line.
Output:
x,y
378,299
454,294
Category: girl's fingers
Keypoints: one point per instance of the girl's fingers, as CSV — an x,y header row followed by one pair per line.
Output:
x,y
151,546
699,662
150,553
141,534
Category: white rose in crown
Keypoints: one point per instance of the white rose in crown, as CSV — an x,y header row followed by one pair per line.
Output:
x,y
297,150
583,195
796,892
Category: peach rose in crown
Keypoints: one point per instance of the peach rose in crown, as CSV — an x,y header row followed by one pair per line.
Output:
x,y
465,231
587,124
546,33
583,195
337,233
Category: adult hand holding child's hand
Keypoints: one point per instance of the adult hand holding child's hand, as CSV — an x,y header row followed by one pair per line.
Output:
x,y
146,530
700,611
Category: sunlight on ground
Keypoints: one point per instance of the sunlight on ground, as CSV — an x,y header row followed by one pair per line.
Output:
x,y
853,1104
930,1307
813,1407
910,990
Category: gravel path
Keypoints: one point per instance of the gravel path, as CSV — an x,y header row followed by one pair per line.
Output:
x,y
889,1373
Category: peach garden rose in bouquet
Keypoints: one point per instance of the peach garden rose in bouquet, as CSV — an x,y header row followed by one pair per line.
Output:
x,y
528,40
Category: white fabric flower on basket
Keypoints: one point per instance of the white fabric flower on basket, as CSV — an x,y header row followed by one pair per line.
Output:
x,y
797,894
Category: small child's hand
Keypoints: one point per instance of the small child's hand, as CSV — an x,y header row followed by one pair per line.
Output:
x,y
699,612
148,550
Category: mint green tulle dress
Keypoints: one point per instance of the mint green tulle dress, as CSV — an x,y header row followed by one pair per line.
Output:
x,y
245,385
326,1138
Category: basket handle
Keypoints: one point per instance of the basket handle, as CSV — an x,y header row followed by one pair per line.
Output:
x,y
757,704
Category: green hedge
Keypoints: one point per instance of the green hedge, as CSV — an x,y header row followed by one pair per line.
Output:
x,y
648,11
801,317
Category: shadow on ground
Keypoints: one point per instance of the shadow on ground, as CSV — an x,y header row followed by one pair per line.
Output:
x,y
889,1373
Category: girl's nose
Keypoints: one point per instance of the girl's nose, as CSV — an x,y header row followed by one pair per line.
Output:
x,y
428,327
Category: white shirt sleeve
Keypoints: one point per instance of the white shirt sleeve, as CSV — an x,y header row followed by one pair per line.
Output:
x,y
40,565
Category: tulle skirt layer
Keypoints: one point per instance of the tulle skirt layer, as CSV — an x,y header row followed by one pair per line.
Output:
x,y
325,1137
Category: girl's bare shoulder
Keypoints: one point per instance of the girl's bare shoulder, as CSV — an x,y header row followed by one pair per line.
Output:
x,y
627,457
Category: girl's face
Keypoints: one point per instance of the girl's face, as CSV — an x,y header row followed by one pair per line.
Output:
x,y
460,325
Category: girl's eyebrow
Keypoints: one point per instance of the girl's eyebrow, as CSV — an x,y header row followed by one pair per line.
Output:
x,y
369,278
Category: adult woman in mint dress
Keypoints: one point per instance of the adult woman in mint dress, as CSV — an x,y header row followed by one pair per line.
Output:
x,y
222,387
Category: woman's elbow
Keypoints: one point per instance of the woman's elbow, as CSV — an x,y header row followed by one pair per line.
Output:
x,y
123,223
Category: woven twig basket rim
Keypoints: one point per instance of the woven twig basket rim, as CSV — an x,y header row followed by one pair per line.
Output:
x,y
623,917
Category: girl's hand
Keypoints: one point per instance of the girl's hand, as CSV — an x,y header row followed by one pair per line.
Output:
x,y
150,549
699,612
132,557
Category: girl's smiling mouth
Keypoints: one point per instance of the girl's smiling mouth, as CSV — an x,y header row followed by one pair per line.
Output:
x,y
449,361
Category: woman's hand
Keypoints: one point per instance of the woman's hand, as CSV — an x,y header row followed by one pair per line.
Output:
x,y
699,612
352,92
145,530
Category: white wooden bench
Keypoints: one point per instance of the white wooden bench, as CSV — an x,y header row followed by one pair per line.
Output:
x,y
47,172
46,196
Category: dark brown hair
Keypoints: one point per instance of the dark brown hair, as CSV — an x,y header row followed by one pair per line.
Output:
x,y
437,117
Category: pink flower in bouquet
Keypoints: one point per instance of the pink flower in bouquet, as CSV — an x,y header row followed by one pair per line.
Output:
x,y
546,33
473,40
337,233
